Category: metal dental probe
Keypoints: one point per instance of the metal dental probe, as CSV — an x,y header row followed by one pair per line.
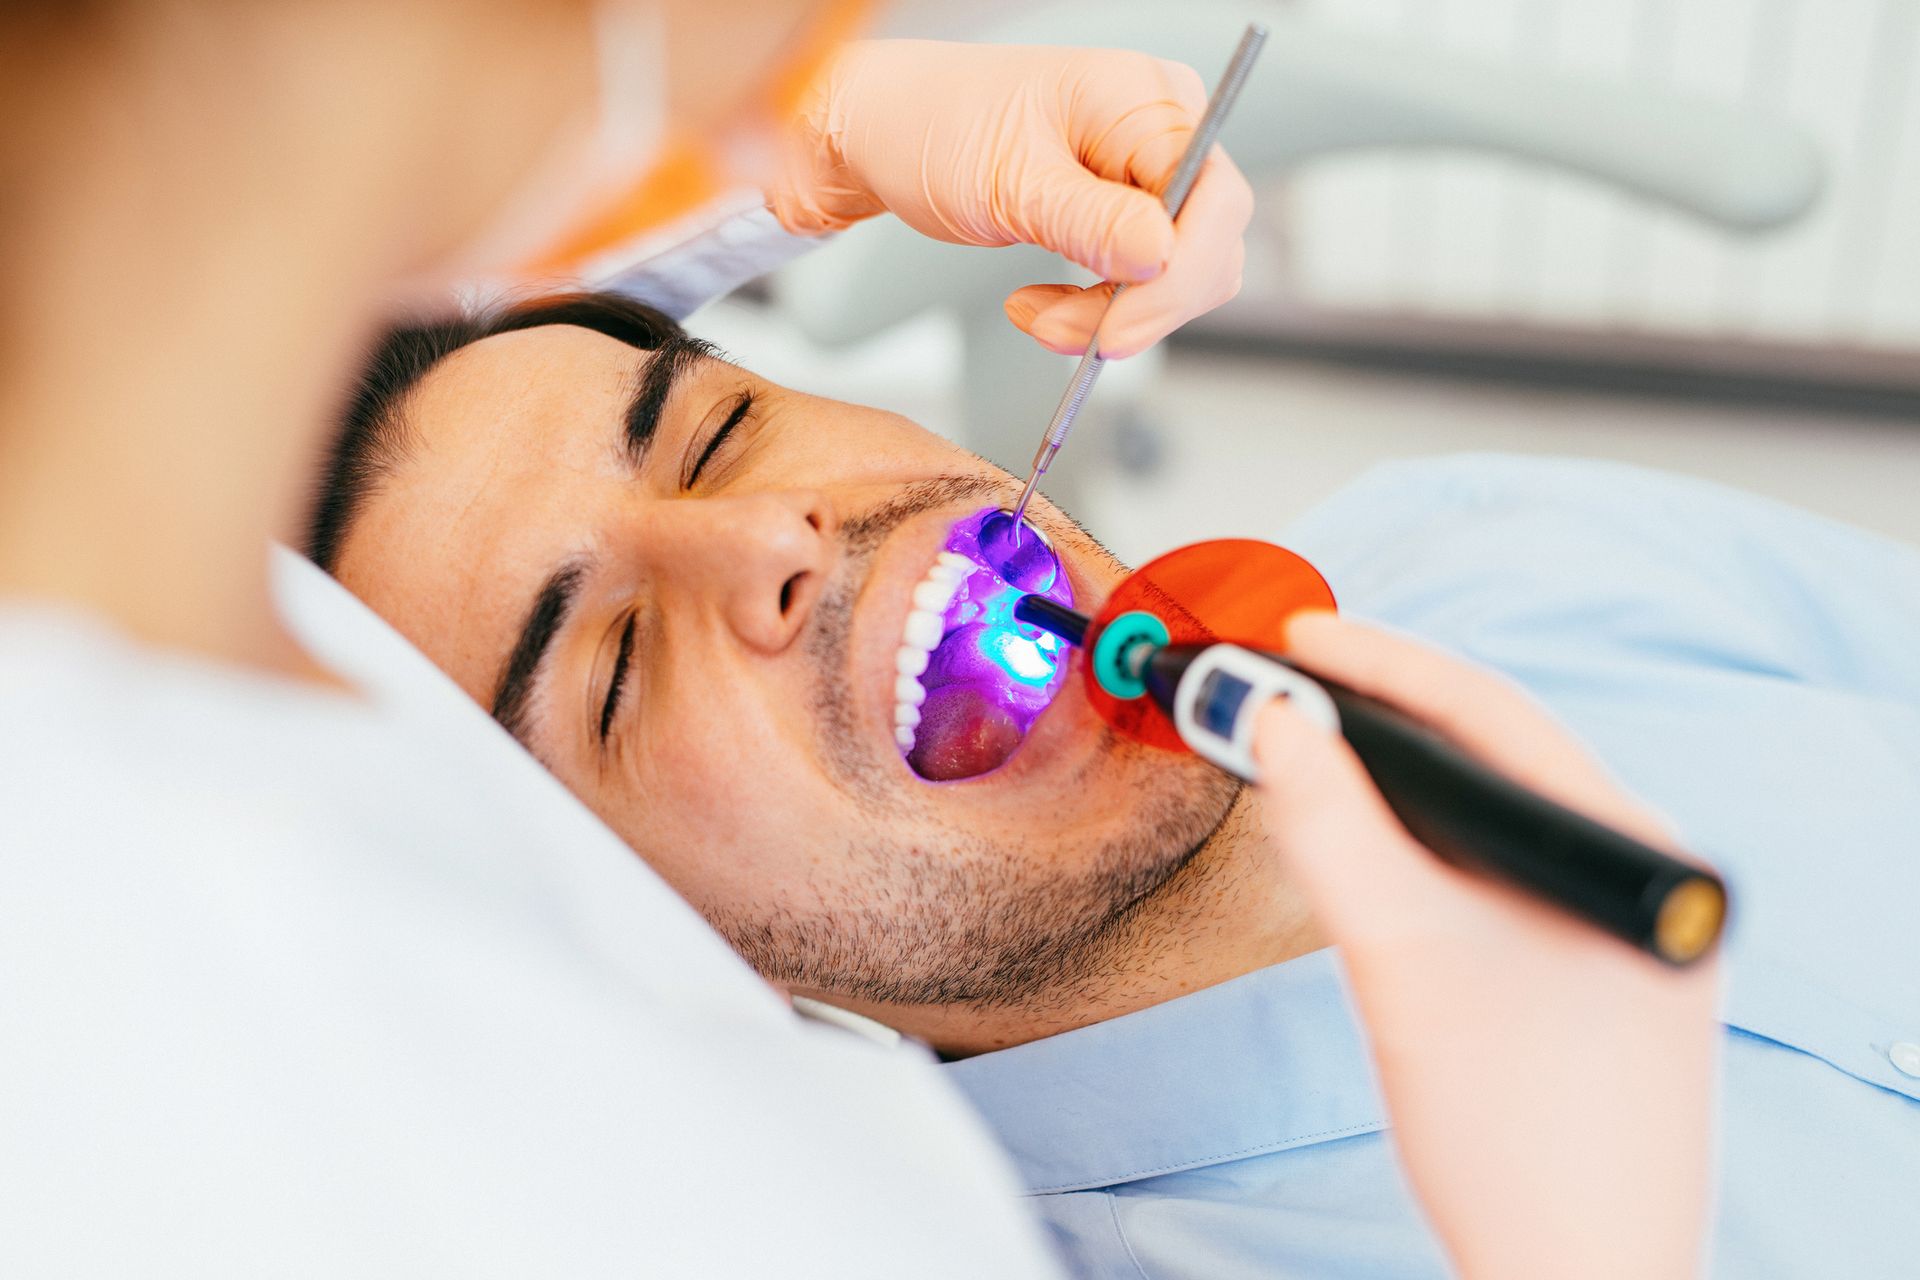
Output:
x,y
1172,199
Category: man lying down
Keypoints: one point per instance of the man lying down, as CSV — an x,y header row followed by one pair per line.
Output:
x,y
693,595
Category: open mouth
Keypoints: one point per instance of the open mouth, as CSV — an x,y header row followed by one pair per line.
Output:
x,y
970,678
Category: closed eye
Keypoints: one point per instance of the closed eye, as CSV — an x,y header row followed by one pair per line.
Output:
x,y
619,680
741,408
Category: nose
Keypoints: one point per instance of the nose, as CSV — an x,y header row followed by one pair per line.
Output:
x,y
758,561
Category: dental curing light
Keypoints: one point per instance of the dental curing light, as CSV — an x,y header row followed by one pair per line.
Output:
x,y
1179,657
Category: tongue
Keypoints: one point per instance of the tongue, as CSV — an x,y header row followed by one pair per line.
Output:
x,y
961,734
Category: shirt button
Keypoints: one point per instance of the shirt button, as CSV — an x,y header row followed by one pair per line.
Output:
x,y
1906,1057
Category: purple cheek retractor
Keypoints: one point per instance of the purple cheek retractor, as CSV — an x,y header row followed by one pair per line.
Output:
x,y
1015,550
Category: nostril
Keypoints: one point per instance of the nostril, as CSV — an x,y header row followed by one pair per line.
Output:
x,y
813,520
786,592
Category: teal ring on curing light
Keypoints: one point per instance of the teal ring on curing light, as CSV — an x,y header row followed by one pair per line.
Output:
x,y
1116,641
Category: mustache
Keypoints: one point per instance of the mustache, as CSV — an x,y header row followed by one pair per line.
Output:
x,y
861,535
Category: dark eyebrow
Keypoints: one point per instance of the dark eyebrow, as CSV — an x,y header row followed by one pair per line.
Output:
x,y
654,387
544,620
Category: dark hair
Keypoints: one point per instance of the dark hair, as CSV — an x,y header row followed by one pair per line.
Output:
x,y
372,437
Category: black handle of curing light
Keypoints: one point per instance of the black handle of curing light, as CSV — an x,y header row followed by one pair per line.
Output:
x,y
1479,819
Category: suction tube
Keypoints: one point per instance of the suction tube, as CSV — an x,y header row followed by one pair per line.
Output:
x,y
1465,812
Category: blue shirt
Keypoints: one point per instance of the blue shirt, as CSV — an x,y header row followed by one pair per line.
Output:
x,y
1751,670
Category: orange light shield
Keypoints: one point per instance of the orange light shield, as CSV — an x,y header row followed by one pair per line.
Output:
x,y
1236,590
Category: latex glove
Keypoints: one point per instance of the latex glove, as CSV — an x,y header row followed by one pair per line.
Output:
x,y
1006,144
1551,1089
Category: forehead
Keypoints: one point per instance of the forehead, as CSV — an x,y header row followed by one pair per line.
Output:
x,y
533,386
512,445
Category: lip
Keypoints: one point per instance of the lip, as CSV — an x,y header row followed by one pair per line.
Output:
x,y
881,612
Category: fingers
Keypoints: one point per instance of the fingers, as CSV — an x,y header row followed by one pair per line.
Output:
x,y
1116,231
1360,868
1372,885
1488,716
1130,130
1209,254
1203,269
1060,317
1023,304
1135,127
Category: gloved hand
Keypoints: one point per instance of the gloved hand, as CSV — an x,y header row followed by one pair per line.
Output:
x,y
998,144
1551,1089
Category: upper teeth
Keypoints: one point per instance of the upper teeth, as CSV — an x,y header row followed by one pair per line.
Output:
x,y
919,635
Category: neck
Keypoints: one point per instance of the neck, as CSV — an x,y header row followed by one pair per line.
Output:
x,y
1227,912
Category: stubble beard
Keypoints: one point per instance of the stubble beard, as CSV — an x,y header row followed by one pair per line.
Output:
x,y
915,911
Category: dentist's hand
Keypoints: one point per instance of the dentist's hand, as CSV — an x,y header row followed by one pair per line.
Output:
x,y
1063,148
1551,1089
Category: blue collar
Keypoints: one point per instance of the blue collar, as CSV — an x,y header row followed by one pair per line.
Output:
x,y
1271,1060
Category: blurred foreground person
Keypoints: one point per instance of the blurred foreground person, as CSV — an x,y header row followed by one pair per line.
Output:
x,y
306,975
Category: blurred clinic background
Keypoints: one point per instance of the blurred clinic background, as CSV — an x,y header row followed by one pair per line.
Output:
x,y
1683,233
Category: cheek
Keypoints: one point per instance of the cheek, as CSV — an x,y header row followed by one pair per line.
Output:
x,y
721,805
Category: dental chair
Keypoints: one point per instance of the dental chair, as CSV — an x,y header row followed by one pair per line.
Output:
x,y
1318,90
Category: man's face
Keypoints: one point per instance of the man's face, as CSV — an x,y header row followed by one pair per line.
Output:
x,y
724,611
